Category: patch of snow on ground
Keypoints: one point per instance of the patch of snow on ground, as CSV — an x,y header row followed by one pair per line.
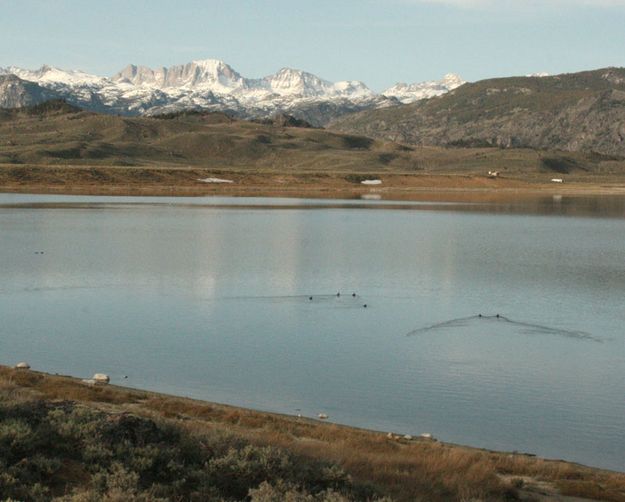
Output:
x,y
371,182
214,180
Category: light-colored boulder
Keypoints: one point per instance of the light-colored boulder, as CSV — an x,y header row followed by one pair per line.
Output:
x,y
101,378
22,366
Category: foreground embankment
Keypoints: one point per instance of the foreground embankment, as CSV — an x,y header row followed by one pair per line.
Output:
x,y
65,439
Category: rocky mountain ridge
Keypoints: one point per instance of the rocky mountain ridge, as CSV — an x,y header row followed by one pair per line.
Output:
x,y
582,111
214,85
18,93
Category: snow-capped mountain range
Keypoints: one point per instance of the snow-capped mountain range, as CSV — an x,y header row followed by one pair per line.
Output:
x,y
212,84
409,93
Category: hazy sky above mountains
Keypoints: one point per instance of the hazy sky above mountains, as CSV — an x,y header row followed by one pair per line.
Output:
x,y
377,41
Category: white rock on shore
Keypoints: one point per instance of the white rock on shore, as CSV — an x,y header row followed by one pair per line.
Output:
x,y
101,378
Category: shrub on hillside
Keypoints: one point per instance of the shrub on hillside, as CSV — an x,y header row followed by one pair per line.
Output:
x,y
66,452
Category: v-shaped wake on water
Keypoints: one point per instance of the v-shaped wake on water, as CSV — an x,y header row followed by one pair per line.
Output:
x,y
531,327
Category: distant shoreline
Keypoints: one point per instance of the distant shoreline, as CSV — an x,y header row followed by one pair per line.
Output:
x,y
170,181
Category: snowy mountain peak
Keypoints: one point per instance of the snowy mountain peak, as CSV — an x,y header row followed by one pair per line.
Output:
x,y
453,80
289,81
211,73
353,88
53,75
211,64
212,84
409,93
141,75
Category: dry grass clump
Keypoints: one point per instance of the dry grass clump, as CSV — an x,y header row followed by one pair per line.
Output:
x,y
404,470
53,450
56,387
591,490
569,479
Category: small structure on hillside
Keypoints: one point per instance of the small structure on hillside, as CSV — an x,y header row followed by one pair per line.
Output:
x,y
22,366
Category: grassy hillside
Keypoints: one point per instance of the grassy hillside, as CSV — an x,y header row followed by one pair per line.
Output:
x,y
572,112
66,441
57,134
54,147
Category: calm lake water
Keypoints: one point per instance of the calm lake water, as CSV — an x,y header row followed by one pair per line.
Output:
x,y
209,298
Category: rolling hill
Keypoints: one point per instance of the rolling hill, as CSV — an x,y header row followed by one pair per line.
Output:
x,y
573,112
56,133
55,146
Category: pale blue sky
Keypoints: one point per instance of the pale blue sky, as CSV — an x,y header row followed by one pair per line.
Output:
x,y
376,41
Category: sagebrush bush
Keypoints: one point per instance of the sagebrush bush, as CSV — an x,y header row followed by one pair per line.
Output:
x,y
72,453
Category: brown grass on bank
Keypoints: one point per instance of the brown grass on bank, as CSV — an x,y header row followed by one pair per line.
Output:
x,y
407,470
58,387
